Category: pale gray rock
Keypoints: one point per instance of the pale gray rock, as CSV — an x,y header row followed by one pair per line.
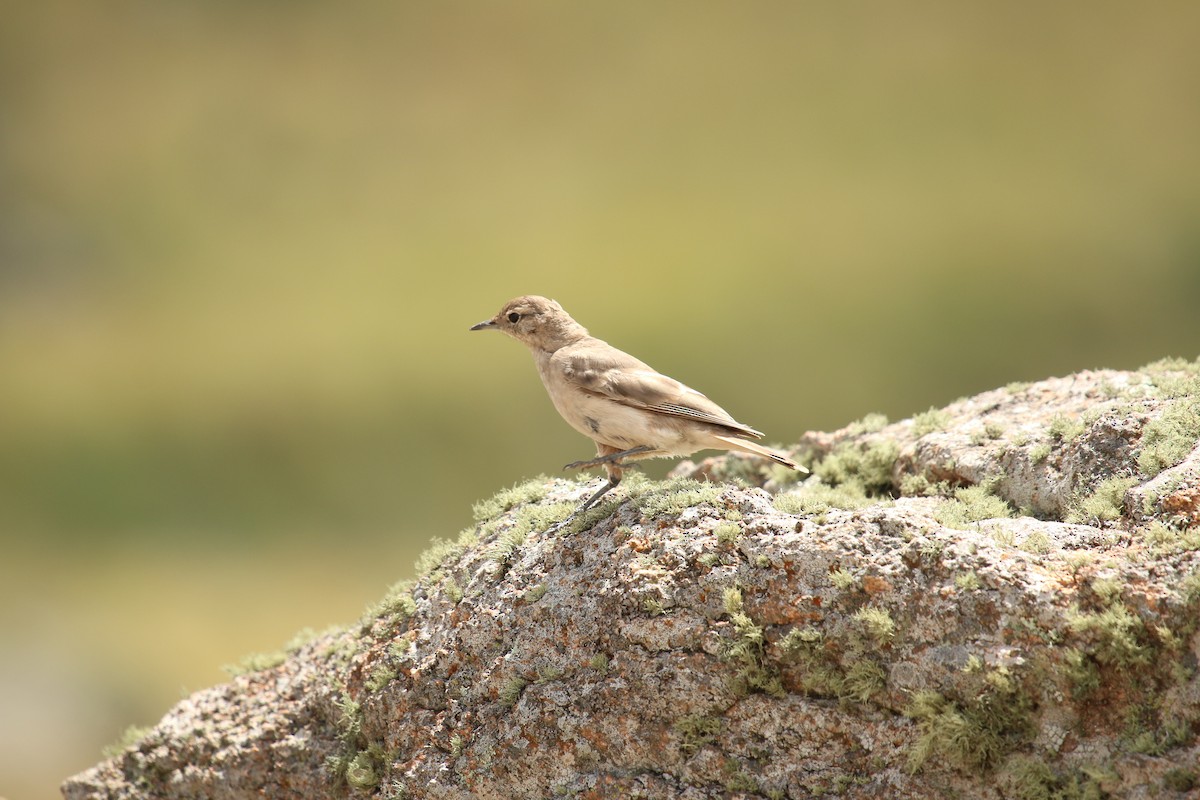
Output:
x,y
1000,599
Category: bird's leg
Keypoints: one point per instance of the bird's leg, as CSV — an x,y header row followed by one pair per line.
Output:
x,y
606,455
608,486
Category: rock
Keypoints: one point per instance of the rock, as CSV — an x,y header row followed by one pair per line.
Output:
x,y
996,599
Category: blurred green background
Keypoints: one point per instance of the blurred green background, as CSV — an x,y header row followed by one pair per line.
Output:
x,y
241,244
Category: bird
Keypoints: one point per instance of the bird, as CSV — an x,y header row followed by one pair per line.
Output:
x,y
628,409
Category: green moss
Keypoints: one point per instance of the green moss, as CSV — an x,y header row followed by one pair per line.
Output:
x,y
380,676
255,662
128,738
818,498
1107,589
1153,737
599,662
1104,504
365,770
1180,779
439,551
531,491
708,560
746,649
510,693
653,606
871,423
671,497
1037,543
727,533
929,421
1064,429
842,579
457,745
1165,539
350,720
876,623
1028,778
452,590
535,593
971,504
398,603
864,466
968,581
799,640
818,669
695,731
863,680
1113,635
736,779
971,734
548,673
1039,452
1169,438
1016,387
1081,671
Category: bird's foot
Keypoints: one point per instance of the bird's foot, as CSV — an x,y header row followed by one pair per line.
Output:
x,y
612,458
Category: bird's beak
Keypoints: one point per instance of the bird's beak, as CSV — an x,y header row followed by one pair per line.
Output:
x,y
482,326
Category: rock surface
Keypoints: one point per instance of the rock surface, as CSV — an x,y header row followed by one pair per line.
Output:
x,y
998,599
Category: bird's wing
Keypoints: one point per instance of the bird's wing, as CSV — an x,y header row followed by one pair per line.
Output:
x,y
602,369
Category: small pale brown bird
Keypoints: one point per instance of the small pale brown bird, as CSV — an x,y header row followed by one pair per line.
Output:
x,y
628,409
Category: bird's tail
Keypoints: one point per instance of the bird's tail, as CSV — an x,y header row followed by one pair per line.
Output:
x,y
742,445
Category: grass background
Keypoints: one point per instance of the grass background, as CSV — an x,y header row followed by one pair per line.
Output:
x,y
241,244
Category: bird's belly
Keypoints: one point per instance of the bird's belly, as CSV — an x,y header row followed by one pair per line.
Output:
x,y
619,425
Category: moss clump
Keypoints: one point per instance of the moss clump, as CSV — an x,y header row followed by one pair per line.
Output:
x,y
727,533
365,770
871,423
1165,539
1081,671
510,693
1037,543
1104,504
974,733
1168,439
818,498
971,504
695,731
864,466
863,680
1064,429
819,671
1113,635
1039,452
528,518
128,738
1028,778
441,550
1180,779
876,623
968,581
842,579
929,421
531,491
673,496
380,676
398,603
255,662
746,649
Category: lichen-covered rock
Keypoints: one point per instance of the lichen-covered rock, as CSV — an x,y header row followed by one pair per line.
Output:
x,y
997,599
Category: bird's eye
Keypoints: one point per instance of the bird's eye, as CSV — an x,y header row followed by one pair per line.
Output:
x,y
513,317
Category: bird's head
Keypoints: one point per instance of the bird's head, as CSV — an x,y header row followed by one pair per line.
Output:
x,y
537,322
